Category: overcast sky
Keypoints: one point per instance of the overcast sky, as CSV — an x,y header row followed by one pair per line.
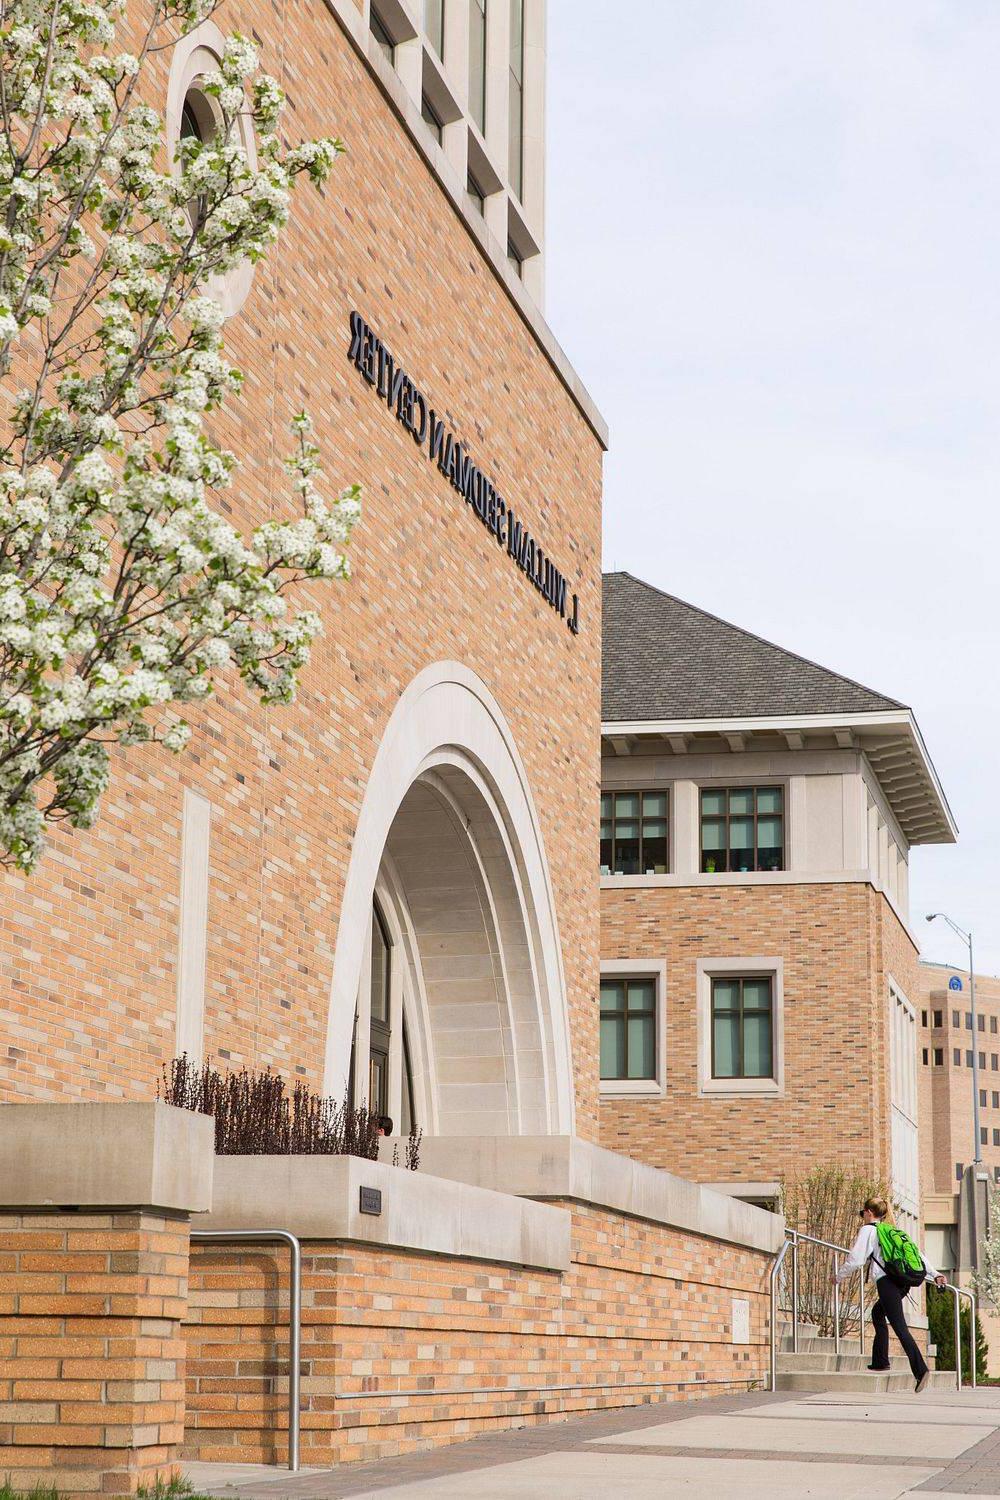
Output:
x,y
774,258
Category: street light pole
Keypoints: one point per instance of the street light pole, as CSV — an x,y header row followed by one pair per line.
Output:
x,y
967,939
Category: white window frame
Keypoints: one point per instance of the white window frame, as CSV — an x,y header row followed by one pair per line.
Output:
x,y
708,969
640,1088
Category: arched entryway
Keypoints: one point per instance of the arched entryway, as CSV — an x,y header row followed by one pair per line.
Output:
x,y
448,988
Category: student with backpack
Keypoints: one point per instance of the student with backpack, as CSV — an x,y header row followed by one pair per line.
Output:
x,y
896,1266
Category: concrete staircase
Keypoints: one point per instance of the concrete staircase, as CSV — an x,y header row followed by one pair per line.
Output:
x,y
817,1366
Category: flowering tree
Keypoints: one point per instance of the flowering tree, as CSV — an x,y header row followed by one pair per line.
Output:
x,y
122,591
987,1278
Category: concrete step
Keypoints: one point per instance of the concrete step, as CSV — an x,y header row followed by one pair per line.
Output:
x,y
807,1330
848,1344
806,1360
859,1381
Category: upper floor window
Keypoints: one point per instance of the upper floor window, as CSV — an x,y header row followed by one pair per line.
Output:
x,y
634,833
628,1028
431,118
434,24
515,132
742,1026
380,32
742,828
476,192
477,62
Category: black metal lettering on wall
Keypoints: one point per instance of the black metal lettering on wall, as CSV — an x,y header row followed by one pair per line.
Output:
x,y
429,431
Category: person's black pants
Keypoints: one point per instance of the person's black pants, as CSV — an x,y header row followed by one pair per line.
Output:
x,y
889,1310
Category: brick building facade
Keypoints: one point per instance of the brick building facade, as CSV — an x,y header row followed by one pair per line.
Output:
x,y
389,887
758,814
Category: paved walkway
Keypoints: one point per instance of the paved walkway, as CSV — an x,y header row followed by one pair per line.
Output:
x,y
756,1447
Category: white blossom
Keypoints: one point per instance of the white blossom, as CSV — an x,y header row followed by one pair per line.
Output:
x,y
123,591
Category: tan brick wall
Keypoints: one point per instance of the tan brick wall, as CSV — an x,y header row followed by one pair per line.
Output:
x,y
946,1097
91,1358
839,943
406,1351
88,946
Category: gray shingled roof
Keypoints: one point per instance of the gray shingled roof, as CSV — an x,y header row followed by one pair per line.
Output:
x,y
665,660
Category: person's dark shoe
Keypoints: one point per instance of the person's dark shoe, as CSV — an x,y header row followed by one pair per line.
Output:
x,y
879,1369
923,1382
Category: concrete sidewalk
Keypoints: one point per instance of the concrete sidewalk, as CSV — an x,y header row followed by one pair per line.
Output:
x,y
756,1447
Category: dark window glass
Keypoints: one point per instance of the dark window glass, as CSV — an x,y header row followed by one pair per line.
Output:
x,y
434,24
968,1059
993,1025
996,1137
955,1018
958,1171
742,1027
996,1100
926,1057
923,1018
981,1022
431,118
628,1028
984,1135
938,1018
477,62
378,1075
958,1057
968,1020
515,133
939,1057
407,1111
993,1062
634,833
982,1098
380,32
982,1061
475,192
742,828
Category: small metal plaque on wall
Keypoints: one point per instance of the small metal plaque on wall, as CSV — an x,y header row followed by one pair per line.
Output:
x,y
371,1200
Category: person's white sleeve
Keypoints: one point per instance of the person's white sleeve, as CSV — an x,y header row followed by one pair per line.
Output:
x,y
860,1251
931,1273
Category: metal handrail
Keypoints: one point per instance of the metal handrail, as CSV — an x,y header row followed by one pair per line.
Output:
x,y
255,1236
793,1237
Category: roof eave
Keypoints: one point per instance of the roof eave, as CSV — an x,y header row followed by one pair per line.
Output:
x,y
891,720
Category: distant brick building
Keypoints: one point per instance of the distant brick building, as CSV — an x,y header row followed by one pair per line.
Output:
x,y
759,983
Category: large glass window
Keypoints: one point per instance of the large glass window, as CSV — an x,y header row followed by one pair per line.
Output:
x,y
634,833
378,1053
380,32
628,1028
477,62
742,828
515,137
431,118
742,1027
475,192
434,24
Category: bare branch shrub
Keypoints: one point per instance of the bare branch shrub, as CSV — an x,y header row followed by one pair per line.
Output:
x,y
824,1202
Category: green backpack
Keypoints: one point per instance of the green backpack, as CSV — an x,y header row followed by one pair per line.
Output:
x,y
900,1258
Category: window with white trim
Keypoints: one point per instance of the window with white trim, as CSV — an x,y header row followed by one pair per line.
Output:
x,y
632,1026
740,1025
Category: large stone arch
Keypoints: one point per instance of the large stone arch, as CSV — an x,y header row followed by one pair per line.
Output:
x,y
449,839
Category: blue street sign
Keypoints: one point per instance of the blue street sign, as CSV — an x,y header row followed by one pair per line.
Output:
x,y
954,983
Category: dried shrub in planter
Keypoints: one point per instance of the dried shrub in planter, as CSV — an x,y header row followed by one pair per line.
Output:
x,y
255,1116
